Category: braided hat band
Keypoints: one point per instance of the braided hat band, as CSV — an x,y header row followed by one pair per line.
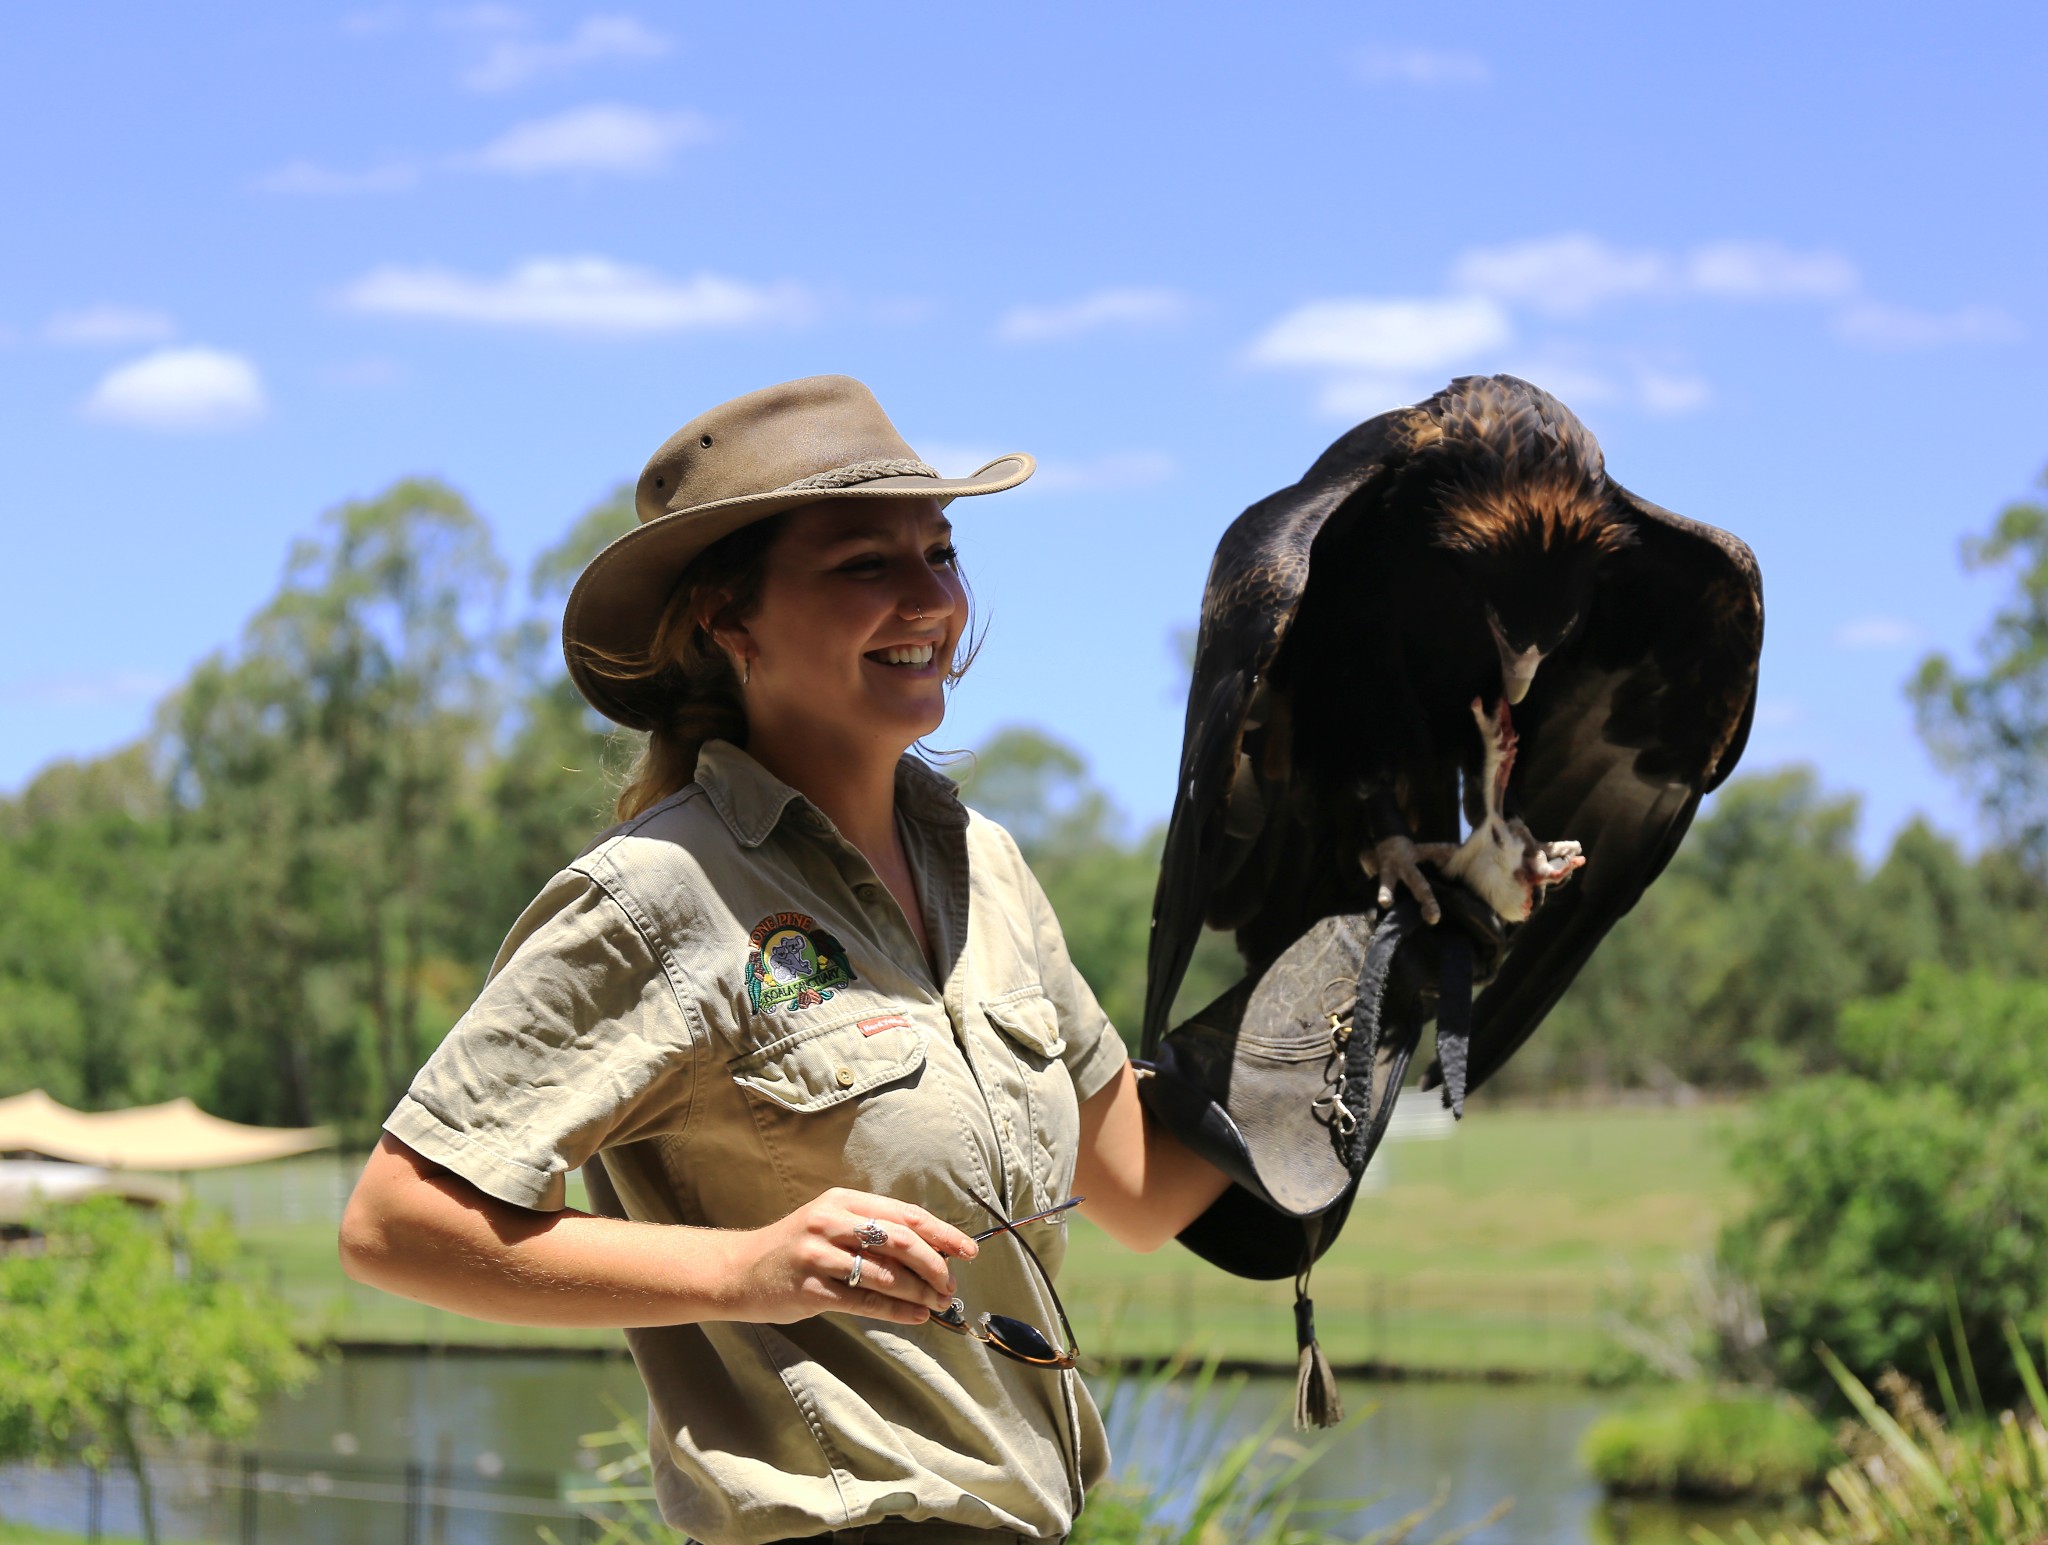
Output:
x,y
862,472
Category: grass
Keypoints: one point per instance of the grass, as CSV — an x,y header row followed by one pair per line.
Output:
x,y
1917,1479
29,1534
1490,1251
1721,1445
1487,1252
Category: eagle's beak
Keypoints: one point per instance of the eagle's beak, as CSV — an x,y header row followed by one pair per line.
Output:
x,y
1517,670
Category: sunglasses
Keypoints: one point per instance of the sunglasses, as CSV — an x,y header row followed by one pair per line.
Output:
x,y
1018,1340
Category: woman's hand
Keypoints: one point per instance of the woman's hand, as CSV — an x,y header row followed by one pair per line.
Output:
x,y
797,1266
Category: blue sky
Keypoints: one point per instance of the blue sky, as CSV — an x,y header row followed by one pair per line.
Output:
x,y
1786,261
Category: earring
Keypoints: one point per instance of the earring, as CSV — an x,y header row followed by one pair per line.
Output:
x,y
747,674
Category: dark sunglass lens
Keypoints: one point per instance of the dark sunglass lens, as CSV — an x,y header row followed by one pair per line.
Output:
x,y
1021,1341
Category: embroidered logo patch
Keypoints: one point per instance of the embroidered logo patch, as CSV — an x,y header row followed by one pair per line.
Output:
x,y
883,1022
793,964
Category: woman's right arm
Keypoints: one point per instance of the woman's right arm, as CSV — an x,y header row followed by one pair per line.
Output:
x,y
417,1229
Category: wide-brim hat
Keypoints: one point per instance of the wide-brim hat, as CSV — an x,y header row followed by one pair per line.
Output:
x,y
824,437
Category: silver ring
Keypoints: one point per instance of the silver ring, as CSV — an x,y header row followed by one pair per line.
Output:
x,y
853,1274
920,614
872,1235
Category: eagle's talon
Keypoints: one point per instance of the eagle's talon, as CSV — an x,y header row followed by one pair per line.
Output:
x,y
1398,859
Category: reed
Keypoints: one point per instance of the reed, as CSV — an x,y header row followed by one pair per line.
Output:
x,y
1202,1480
1915,1478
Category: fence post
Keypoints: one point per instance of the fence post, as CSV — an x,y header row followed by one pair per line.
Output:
x,y
93,1482
248,1497
414,1481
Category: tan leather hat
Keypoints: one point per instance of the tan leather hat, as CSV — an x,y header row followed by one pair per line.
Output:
x,y
824,437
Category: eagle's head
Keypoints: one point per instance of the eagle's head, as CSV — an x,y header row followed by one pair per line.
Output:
x,y
1528,549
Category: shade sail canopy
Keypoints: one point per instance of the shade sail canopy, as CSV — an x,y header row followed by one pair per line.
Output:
x,y
27,1184
176,1135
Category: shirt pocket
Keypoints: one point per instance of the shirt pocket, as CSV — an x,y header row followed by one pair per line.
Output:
x,y
1030,1030
845,1103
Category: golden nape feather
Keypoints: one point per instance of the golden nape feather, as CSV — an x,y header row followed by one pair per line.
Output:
x,y
1522,471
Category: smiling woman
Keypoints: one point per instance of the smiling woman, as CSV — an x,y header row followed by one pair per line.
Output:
x,y
804,1021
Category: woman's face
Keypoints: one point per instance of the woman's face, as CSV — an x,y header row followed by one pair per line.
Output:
x,y
861,607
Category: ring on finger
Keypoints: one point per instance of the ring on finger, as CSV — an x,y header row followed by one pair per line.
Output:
x,y
853,1271
872,1235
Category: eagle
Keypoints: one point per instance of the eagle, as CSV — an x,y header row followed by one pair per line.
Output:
x,y
1455,654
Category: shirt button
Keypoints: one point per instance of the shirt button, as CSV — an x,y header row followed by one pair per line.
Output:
x,y
845,1077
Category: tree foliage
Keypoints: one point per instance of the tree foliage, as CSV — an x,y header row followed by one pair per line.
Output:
x,y
1099,880
120,1327
1991,727
1903,1201
279,902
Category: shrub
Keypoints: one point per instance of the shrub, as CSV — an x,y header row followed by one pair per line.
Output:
x,y
1710,1445
1905,1201
1918,1481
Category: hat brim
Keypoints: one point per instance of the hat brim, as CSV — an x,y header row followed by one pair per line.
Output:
x,y
617,601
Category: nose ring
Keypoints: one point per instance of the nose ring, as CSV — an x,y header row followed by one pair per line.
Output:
x,y
920,614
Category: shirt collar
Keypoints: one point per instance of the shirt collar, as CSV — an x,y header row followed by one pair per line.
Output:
x,y
752,801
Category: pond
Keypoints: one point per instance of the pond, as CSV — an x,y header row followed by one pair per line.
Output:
x,y
474,1424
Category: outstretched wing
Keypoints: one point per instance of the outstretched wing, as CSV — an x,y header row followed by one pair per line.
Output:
x,y
1255,584
1622,734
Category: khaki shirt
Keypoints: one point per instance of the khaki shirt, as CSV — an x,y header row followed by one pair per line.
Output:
x,y
720,1012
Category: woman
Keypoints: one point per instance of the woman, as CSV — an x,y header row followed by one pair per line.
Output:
x,y
807,1024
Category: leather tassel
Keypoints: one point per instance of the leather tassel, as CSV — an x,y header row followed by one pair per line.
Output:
x,y
1316,1402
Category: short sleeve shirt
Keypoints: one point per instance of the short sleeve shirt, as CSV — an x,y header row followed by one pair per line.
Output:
x,y
719,1012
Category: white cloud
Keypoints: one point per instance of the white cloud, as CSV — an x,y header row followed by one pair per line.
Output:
x,y
1898,327
599,138
373,21
512,60
1105,308
1383,336
1421,67
1118,469
577,295
1354,398
311,178
1671,394
1779,714
86,691
190,389
1571,274
1057,474
106,324
1765,270
1878,632
1561,275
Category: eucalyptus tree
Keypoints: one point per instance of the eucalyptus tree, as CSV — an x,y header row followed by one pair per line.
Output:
x,y
1990,726
324,775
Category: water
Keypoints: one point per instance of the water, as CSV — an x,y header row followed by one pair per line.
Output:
x,y
492,1422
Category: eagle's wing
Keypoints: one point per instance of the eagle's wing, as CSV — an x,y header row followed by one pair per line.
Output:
x,y
1621,736
1255,584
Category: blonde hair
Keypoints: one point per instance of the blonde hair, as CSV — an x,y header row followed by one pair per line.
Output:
x,y
684,680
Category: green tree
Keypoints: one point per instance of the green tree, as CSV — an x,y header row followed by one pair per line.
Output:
x,y
1100,882
88,1007
1734,969
550,788
127,1328
324,778
1904,1200
1991,728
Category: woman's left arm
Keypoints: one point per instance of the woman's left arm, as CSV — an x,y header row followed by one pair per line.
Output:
x,y
1142,1185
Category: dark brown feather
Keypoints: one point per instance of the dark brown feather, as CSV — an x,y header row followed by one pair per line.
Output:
x,y
1643,710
